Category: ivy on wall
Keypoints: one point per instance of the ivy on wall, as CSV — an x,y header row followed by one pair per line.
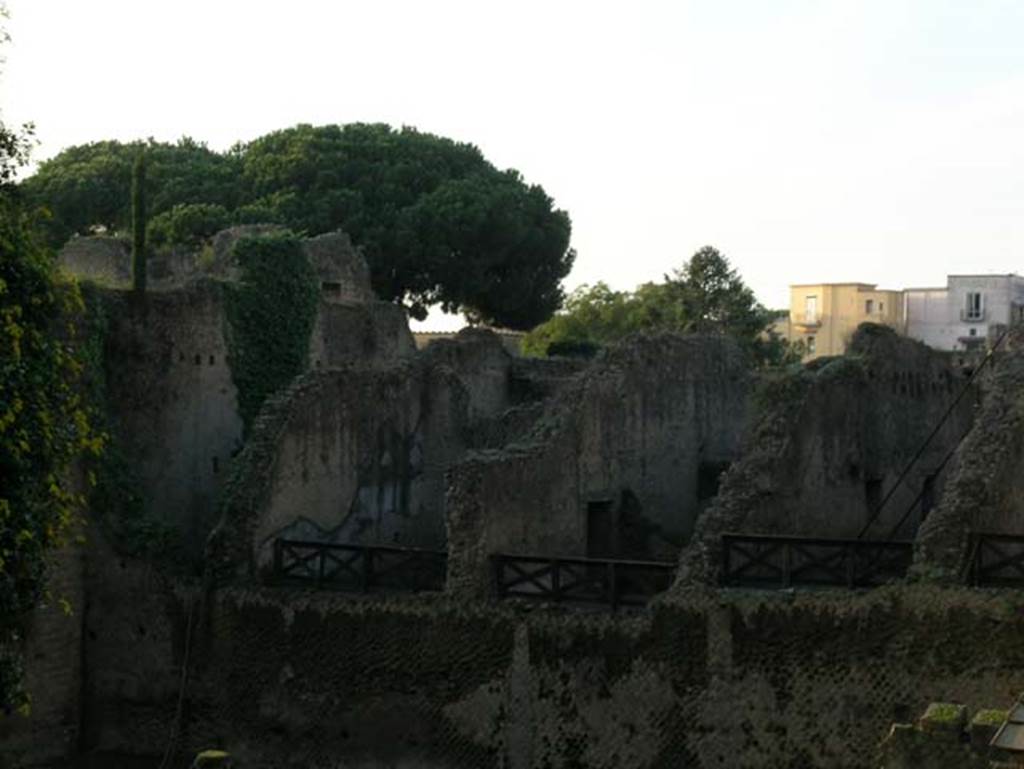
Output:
x,y
115,500
44,427
271,312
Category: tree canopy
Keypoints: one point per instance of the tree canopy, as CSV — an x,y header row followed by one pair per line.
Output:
x,y
439,224
705,295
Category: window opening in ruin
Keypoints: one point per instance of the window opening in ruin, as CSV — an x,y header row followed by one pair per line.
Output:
x,y
216,465
973,310
331,287
869,306
928,495
212,359
811,346
199,359
873,495
600,529
709,476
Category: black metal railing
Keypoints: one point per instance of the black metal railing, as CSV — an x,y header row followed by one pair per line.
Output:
x,y
996,560
581,580
358,567
770,561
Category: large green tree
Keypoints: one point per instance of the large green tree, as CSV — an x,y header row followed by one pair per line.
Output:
x,y
438,223
706,295
88,187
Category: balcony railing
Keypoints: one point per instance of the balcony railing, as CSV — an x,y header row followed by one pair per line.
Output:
x,y
808,319
972,316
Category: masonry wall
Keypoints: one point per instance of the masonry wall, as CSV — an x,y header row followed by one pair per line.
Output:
x,y
631,446
831,444
53,671
173,402
985,492
724,679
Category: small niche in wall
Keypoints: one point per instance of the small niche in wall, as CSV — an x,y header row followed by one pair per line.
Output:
x,y
199,359
213,360
872,495
216,465
928,495
331,288
181,355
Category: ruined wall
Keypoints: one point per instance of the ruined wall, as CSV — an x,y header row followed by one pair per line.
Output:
x,y
635,434
281,679
359,454
831,441
170,390
985,491
53,670
173,402
356,454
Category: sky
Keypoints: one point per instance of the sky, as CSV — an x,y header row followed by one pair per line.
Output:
x,y
874,141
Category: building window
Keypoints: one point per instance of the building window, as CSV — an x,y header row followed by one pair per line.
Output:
x,y
869,306
973,332
811,309
881,306
973,311
810,345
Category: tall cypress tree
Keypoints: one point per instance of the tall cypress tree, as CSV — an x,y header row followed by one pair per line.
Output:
x,y
139,224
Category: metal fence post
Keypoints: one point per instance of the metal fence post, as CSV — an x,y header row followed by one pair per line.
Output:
x,y
278,559
787,557
613,588
367,569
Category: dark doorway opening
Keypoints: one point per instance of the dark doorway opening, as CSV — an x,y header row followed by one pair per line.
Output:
x,y
709,478
601,529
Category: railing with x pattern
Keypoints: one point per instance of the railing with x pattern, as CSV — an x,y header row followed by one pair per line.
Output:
x,y
771,561
996,560
581,580
359,567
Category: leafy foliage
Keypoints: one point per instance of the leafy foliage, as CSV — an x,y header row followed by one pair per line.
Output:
x,y
190,224
271,314
705,296
438,223
44,423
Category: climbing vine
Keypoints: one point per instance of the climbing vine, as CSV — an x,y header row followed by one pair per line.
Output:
x,y
115,497
44,426
271,312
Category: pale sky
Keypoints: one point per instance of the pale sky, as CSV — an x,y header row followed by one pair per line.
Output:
x,y
878,141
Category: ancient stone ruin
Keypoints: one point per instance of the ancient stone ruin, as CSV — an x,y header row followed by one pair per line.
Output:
x,y
578,476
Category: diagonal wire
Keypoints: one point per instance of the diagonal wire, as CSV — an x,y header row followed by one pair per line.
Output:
x,y
920,452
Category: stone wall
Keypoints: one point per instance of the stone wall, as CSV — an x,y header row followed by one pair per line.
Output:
x,y
356,454
830,443
281,678
620,463
53,671
173,402
985,492
170,391
359,453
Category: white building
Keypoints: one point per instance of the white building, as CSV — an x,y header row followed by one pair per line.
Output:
x,y
966,312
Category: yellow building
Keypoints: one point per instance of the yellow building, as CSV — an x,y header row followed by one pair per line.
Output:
x,y
824,316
